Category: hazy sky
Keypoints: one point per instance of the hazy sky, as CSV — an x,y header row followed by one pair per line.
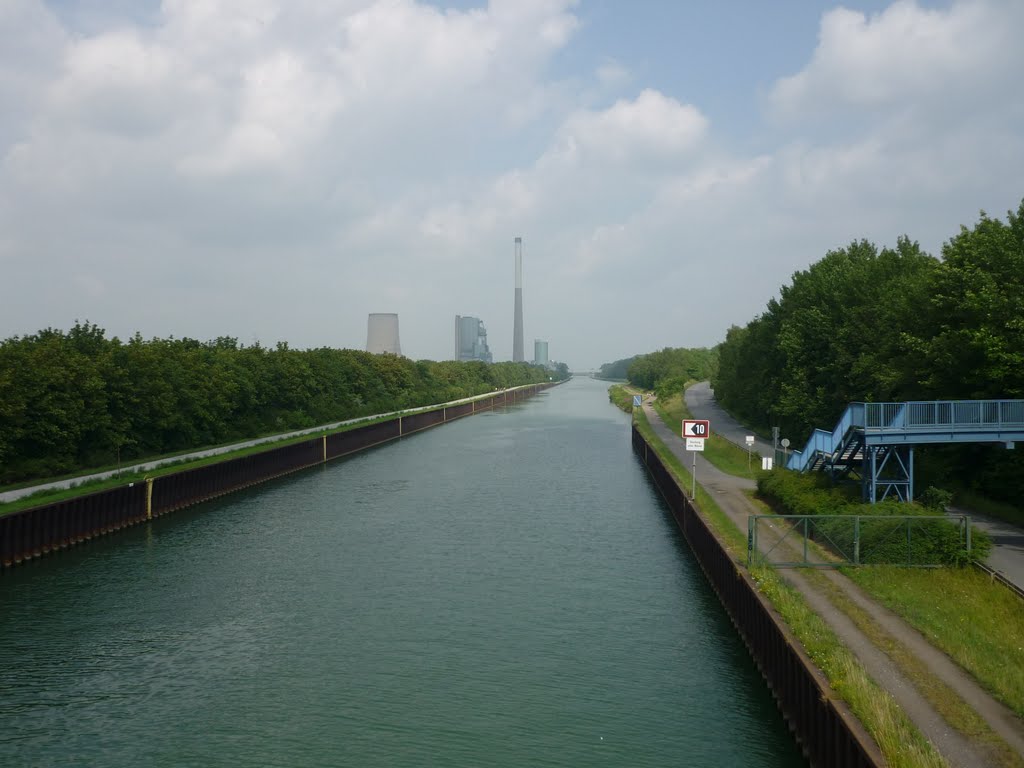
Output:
x,y
277,169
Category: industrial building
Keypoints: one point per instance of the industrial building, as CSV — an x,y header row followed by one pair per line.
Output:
x,y
382,334
540,353
471,339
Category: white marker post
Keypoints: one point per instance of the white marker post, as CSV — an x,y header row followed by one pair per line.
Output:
x,y
695,431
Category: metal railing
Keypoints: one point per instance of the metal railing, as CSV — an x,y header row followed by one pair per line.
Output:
x,y
945,414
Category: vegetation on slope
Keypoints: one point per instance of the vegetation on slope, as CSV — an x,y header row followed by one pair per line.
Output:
x,y
864,324
77,399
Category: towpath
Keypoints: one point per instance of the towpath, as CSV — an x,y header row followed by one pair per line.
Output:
x,y
18,493
1007,556
731,494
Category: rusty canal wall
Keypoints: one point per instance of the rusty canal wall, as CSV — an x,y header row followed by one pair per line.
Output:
x,y
47,528
829,734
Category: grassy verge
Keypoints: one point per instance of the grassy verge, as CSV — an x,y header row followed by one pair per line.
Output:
x,y
946,701
900,741
978,623
735,541
723,454
49,496
621,397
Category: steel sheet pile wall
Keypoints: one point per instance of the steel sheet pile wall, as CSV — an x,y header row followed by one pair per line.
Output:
x,y
414,422
458,411
35,532
342,443
829,734
182,489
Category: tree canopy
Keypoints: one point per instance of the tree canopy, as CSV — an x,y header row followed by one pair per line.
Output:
x,y
864,324
77,399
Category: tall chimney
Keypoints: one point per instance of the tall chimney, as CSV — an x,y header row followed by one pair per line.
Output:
x,y
517,333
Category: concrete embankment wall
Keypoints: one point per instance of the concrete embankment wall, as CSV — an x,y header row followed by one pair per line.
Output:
x,y
829,734
40,530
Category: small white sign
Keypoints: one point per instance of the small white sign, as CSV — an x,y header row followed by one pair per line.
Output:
x,y
695,443
766,464
749,439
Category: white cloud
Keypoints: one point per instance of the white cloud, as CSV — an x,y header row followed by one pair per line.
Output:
x,y
651,125
279,169
907,56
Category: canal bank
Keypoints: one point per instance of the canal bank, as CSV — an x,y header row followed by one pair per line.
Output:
x,y
922,708
507,591
50,527
829,733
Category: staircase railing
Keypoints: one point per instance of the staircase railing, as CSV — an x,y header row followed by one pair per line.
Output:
x,y
827,442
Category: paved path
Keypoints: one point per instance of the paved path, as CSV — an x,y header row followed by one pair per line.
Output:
x,y
730,494
1007,555
700,399
146,466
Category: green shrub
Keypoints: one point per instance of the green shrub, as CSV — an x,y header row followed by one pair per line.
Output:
x,y
924,542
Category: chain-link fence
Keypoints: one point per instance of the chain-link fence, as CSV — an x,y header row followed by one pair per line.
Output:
x,y
831,541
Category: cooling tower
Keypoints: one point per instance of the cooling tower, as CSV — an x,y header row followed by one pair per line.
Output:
x,y
382,333
517,332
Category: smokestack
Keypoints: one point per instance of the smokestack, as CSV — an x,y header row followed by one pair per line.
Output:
x,y
382,333
517,333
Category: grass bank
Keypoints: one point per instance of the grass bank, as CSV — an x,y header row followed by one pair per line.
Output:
x,y
723,454
621,396
977,622
49,496
900,741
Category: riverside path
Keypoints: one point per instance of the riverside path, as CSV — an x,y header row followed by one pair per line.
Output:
x,y
1007,555
730,492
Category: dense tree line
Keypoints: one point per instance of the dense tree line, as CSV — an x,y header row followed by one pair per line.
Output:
x,y
617,371
665,371
894,324
77,399
668,370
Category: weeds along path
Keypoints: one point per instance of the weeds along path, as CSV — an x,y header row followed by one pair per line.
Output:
x,y
895,655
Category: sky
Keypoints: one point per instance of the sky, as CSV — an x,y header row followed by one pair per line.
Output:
x,y
276,170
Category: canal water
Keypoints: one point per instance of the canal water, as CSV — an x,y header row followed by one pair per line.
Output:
x,y
506,590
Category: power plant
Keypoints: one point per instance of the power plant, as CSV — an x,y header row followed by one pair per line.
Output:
x,y
517,333
382,333
471,339
540,353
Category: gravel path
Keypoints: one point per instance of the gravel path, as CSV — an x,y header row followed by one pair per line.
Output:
x,y
729,493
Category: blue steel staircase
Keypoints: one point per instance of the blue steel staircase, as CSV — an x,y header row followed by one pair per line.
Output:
x,y
874,442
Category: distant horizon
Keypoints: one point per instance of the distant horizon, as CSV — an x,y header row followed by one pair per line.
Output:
x,y
184,169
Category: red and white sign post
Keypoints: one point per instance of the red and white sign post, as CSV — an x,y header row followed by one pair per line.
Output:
x,y
695,432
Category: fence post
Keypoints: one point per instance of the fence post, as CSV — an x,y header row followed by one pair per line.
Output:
x,y
807,521
325,447
907,521
856,540
750,540
149,498
967,525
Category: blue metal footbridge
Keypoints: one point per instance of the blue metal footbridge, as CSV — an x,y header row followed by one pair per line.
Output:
x,y
874,442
